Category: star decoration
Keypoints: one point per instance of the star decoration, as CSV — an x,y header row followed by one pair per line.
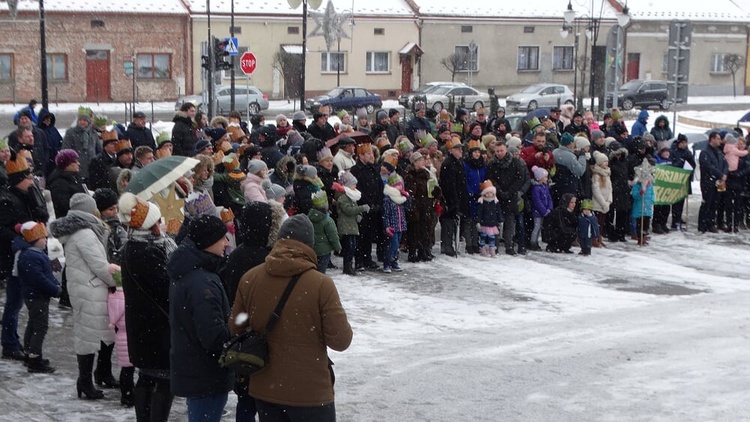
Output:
x,y
170,206
330,25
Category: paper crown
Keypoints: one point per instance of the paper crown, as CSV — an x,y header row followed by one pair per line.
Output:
x,y
218,157
486,184
474,143
123,145
320,199
144,215
364,148
100,121
199,203
231,162
444,116
587,204
391,157
383,143
109,135
235,134
85,111
395,180
427,140
324,109
404,146
227,215
453,142
33,231
20,164
173,226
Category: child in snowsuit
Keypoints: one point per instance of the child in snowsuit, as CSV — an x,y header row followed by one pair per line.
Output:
x,y
396,202
347,196
116,309
588,227
489,215
326,235
38,284
541,201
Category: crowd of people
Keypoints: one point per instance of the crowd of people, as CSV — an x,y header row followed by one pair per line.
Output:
x,y
267,202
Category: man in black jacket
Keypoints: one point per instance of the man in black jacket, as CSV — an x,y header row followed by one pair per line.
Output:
x,y
138,133
714,170
320,128
99,165
455,196
370,185
183,137
508,174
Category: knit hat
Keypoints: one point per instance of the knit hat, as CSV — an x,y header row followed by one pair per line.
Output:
x,y
415,156
577,114
392,112
215,133
17,168
256,166
105,198
199,203
487,186
274,192
600,158
299,115
566,139
205,230
347,179
325,154
320,200
364,148
614,146
427,140
513,141
279,118
293,138
123,147
539,173
649,137
65,157
533,123
306,171
608,141
298,227
380,115
616,114
109,136
596,134
681,138
137,213
163,139
587,204
82,202
201,145
361,113
404,145
730,139
581,143
513,151
33,231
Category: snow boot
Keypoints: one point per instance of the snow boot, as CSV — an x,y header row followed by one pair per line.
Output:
x,y
492,250
127,387
413,256
161,401
348,268
424,255
37,365
103,374
84,385
484,251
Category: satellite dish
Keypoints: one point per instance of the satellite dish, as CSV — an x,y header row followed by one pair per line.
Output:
x,y
314,3
294,3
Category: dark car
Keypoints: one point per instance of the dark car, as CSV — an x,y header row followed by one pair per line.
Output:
x,y
640,93
348,98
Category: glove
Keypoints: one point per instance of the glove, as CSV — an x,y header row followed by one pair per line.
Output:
x,y
390,231
479,226
113,268
405,193
338,187
365,208
587,155
359,219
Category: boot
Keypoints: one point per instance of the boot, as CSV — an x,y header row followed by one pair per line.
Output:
x,y
642,241
424,255
126,386
601,242
161,401
413,257
484,251
84,385
103,374
348,268
142,398
535,247
492,250
37,365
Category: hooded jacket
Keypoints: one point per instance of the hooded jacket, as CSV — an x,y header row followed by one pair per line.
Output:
x,y
35,271
326,235
183,137
198,309
54,139
662,135
298,371
639,127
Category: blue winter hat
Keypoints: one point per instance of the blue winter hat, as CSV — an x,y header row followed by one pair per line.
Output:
x,y
566,139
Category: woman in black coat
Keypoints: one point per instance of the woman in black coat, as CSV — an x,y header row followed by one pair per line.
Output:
x,y
618,217
64,181
560,226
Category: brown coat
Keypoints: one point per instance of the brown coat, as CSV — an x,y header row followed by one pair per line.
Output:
x,y
312,320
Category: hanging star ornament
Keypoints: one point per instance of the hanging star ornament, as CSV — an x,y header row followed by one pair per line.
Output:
x,y
170,206
330,25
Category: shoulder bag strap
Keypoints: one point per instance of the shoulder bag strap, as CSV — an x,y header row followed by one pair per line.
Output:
x,y
277,312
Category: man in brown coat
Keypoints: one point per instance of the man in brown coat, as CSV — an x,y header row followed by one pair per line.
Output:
x,y
298,380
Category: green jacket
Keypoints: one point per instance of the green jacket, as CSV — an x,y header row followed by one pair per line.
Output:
x,y
326,236
348,212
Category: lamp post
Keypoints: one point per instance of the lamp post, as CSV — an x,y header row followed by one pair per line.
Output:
x,y
570,18
623,18
472,54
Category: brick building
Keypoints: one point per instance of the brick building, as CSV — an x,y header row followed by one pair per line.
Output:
x,y
88,45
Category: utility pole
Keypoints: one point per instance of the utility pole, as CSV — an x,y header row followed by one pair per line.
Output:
x,y
211,64
43,45
231,70
304,55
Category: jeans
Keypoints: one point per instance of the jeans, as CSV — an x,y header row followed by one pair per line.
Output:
x,y
206,408
270,412
36,327
509,229
13,304
391,255
323,261
348,246
537,229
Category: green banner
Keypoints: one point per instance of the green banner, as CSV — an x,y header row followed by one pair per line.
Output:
x,y
670,184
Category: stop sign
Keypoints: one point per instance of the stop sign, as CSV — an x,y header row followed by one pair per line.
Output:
x,y
247,63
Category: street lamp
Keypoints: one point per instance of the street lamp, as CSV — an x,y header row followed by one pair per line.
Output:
x,y
623,19
570,17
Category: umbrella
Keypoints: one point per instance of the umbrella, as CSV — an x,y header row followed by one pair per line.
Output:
x,y
745,118
539,113
158,175
359,137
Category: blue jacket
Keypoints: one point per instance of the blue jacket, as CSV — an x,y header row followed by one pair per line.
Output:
x,y
198,311
490,213
34,117
639,127
541,200
35,271
395,207
643,204
476,173
54,139
588,226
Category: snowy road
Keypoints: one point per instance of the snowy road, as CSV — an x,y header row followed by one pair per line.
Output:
x,y
629,334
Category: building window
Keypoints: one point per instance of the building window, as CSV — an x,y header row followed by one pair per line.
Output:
x,y
237,29
379,31
57,66
467,61
562,58
96,23
528,29
528,58
377,62
292,30
332,62
467,28
717,63
6,67
154,66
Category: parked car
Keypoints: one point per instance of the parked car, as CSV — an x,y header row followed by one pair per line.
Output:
x,y
406,98
540,95
640,93
516,121
248,98
439,97
348,98
196,100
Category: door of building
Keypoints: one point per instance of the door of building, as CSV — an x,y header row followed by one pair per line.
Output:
x,y
97,76
633,67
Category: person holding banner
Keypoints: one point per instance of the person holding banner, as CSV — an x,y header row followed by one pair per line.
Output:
x,y
681,158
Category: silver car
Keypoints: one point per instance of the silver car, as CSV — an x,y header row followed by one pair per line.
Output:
x,y
439,97
540,95
248,98
406,98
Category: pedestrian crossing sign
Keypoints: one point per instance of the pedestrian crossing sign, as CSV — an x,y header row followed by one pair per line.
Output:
x,y
232,46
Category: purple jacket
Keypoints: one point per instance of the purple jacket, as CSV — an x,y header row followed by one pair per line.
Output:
x,y
542,200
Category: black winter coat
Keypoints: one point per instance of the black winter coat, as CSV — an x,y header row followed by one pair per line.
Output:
x,y
618,163
146,286
183,139
453,185
54,139
713,166
323,133
508,175
489,213
99,171
199,311
17,207
370,185
560,223
141,136
63,185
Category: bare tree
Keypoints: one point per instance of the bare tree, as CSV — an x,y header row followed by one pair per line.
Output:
x,y
290,66
733,63
454,63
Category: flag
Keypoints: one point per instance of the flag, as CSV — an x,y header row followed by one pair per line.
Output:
x,y
670,184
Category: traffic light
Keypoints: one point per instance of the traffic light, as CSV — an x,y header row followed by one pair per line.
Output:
x,y
220,54
205,63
